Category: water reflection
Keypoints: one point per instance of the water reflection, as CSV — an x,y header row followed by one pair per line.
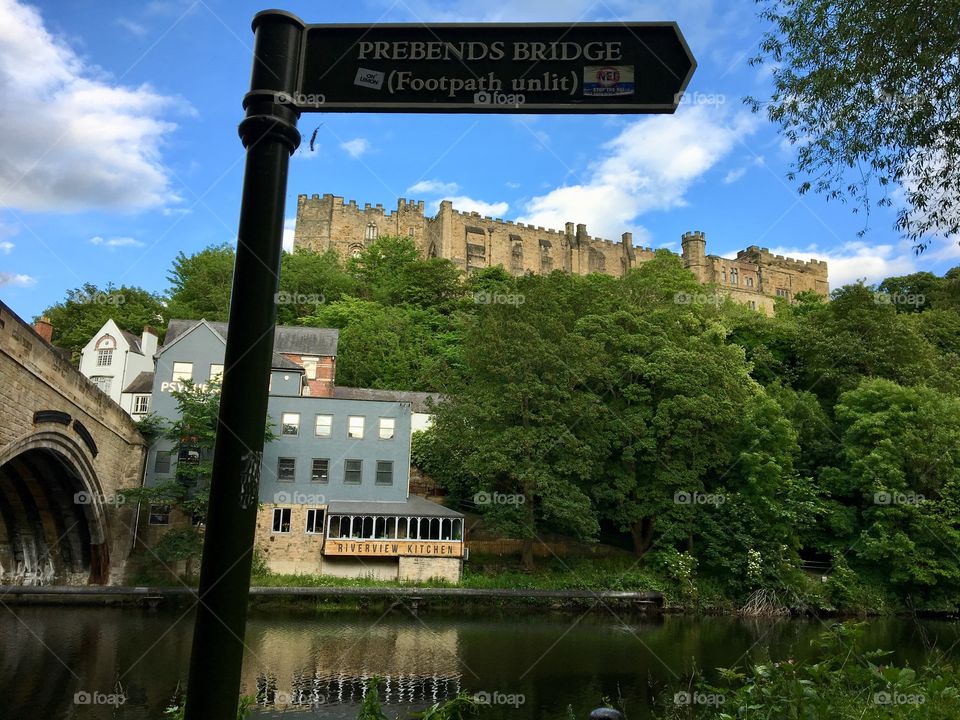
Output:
x,y
317,666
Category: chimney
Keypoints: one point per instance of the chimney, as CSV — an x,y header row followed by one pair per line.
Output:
x,y
149,340
44,328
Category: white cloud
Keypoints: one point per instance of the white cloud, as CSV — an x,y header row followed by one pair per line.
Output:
x,y
115,242
134,28
356,147
734,175
433,187
69,139
13,280
512,185
469,204
857,260
289,225
649,166
6,246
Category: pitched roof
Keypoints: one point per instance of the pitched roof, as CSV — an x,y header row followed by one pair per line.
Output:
x,y
142,383
414,505
286,338
133,341
417,400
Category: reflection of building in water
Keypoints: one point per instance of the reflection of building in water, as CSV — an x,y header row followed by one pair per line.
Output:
x,y
320,663
333,689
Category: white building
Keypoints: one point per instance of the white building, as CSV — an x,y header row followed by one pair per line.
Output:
x,y
121,365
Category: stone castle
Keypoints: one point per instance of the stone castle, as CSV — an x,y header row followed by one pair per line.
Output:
x,y
754,277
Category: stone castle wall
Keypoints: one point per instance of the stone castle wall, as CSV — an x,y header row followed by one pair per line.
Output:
x,y
473,241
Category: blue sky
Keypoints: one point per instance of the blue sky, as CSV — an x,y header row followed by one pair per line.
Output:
x,y
118,145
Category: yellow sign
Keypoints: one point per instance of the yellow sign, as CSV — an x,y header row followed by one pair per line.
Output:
x,y
392,548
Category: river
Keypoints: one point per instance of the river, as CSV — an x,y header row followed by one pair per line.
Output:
x,y
77,662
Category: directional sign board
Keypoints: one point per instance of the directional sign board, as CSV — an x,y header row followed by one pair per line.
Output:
x,y
494,68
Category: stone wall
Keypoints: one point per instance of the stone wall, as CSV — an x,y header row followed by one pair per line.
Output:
x,y
422,569
35,376
293,552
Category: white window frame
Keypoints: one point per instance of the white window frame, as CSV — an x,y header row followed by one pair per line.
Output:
x,y
216,374
294,461
287,419
105,357
103,382
275,524
312,514
328,425
392,428
180,375
137,402
350,426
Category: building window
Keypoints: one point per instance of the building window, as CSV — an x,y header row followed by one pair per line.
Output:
x,y
315,522
753,305
281,520
783,292
371,233
724,275
188,454
159,515
104,358
355,427
310,367
384,472
216,371
161,462
321,470
141,404
286,469
734,276
324,426
352,472
290,424
749,282
386,428
182,371
103,382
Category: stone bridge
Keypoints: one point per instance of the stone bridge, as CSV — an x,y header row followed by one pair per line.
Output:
x,y
66,450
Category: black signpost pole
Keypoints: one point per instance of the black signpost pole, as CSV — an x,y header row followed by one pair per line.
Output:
x,y
269,133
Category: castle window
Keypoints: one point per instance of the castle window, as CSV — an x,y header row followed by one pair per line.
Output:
x,y
749,282
753,304
734,276
783,292
724,275
371,233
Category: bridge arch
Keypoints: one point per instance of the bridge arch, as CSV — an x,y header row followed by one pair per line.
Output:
x,y
53,527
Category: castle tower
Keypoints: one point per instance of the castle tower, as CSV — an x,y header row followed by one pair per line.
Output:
x,y
694,253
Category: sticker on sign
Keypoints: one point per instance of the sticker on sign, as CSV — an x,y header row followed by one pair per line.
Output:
x,y
369,78
607,80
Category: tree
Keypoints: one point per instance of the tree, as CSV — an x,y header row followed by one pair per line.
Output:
x,y
867,93
200,284
309,279
77,319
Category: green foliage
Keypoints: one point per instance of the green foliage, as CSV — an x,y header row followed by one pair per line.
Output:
x,y
83,312
200,284
864,92
845,681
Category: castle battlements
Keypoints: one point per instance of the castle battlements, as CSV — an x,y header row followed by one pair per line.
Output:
x,y
471,241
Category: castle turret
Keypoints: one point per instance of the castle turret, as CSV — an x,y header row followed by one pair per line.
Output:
x,y
694,252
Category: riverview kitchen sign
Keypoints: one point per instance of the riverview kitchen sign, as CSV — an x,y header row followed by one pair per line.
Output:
x,y
493,68
393,548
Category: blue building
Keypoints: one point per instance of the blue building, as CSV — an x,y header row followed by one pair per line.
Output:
x,y
334,485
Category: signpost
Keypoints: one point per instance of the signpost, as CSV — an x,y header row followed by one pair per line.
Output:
x,y
542,68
